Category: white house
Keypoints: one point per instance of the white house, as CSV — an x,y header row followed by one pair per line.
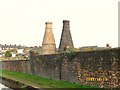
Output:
x,y
19,51
13,55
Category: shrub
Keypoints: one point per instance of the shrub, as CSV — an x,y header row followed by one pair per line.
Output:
x,y
8,54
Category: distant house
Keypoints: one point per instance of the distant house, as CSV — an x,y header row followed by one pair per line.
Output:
x,y
34,49
19,51
13,54
88,48
7,47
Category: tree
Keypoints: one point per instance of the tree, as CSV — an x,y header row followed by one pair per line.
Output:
x,y
8,54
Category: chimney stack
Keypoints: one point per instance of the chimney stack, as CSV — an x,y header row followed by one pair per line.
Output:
x,y
66,38
48,45
108,46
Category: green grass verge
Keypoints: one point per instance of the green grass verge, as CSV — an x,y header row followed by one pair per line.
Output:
x,y
40,81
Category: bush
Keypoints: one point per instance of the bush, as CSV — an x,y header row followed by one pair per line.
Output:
x,y
8,54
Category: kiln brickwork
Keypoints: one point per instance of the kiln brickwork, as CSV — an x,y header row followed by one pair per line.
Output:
x,y
66,38
48,45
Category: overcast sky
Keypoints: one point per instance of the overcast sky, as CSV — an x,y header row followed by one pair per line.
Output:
x,y
92,22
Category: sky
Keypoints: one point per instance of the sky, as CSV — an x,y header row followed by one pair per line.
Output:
x,y
92,22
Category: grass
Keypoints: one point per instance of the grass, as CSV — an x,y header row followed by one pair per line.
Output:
x,y
39,81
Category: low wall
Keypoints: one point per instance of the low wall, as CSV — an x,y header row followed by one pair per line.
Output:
x,y
98,68
16,65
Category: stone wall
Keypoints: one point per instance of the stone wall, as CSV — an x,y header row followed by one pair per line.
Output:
x,y
46,66
99,68
16,65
